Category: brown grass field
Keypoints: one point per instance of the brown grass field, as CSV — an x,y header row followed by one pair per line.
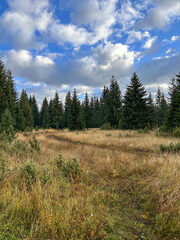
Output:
x,y
120,188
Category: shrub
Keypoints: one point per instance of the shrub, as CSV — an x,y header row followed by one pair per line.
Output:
x,y
3,166
145,130
19,146
109,135
71,169
7,127
170,148
106,126
176,132
34,143
29,171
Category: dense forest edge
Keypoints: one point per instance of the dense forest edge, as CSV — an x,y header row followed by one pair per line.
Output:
x,y
135,110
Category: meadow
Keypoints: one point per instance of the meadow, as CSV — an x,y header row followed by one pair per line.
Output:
x,y
93,184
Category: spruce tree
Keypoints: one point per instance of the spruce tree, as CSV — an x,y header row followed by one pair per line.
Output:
x,y
35,111
115,103
87,117
27,120
75,117
151,111
51,113
105,106
97,113
173,116
67,109
44,114
3,97
58,114
135,110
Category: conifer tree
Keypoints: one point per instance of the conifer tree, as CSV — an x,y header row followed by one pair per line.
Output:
x,y
51,113
115,103
58,115
105,105
87,117
75,117
3,100
97,122
151,111
44,114
27,120
11,94
173,116
135,110
35,111
67,109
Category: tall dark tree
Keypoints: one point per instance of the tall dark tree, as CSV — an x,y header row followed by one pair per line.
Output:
x,y
97,121
27,120
3,100
67,109
135,110
105,105
75,118
173,116
151,111
58,115
35,111
11,94
51,109
44,114
87,116
115,102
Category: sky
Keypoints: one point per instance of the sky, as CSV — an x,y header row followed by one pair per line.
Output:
x,y
59,45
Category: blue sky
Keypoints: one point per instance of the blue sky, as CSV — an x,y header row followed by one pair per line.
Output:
x,y
60,44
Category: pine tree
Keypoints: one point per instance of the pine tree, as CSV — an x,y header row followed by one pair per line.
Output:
x,y
115,103
67,109
51,113
135,110
97,113
151,111
173,116
3,98
105,106
44,114
24,105
35,111
58,115
75,117
11,94
87,117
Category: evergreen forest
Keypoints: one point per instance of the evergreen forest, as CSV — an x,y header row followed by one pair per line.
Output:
x,y
136,109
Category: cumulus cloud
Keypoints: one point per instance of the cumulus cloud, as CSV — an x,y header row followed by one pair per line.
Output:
x,y
134,36
160,15
175,38
149,43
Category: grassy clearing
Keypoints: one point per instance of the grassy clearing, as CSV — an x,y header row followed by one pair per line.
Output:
x,y
89,185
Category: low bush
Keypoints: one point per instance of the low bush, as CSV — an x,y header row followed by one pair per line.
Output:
x,y
170,148
71,169
34,143
145,130
106,126
29,171
176,132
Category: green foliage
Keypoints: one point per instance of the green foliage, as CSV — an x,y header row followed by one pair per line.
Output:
x,y
171,148
34,143
176,132
135,108
3,166
106,126
19,146
145,130
7,127
29,171
71,169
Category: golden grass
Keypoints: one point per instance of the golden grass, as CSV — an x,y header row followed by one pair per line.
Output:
x,y
129,190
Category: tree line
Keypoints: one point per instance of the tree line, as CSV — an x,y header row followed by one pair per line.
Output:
x,y
135,110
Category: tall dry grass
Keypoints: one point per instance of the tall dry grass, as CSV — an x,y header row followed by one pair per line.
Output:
x,y
128,189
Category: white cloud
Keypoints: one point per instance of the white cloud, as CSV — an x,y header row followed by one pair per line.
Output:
x,y
149,43
175,38
169,51
161,15
134,36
